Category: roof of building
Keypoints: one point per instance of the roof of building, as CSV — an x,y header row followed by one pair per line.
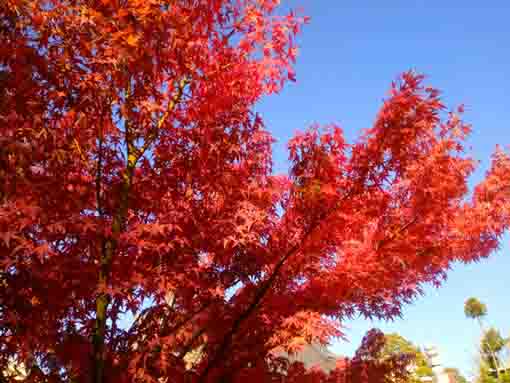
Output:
x,y
313,355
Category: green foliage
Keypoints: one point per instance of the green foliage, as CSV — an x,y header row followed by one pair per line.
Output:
x,y
484,375
488,376
474,309
492,340
492,347
398,345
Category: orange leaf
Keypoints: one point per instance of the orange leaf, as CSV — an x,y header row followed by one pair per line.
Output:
x,y
132,40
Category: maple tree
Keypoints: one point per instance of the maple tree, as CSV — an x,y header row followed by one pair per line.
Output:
x,y
135,178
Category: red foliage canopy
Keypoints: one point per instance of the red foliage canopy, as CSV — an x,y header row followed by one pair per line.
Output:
x,y
135,178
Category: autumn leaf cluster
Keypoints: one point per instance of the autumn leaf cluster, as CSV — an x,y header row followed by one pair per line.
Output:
x,y
143,233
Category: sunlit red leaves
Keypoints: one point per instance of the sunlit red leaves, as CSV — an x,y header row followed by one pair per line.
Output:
x,y
130,126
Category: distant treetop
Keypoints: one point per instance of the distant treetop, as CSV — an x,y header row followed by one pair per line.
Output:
x,y
475,309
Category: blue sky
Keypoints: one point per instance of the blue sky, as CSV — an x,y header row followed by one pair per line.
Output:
x,y
349,54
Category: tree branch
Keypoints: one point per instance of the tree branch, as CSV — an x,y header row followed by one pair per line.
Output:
x,y
108,249
153,134
227,339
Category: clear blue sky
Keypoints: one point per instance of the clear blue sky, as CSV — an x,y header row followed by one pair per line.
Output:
x,y
349,54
